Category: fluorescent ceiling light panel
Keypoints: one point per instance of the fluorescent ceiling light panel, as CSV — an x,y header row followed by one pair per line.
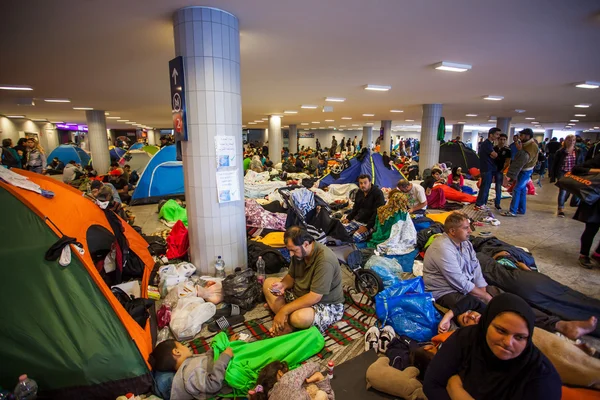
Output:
x,y
520,111
530,118
15,116
597,127
304,123
251,123
355,125
461,122
493,98
573,120
346,117
329,120
315,122
396,111
335,99
311,107
369,123
82,108
452,67
265,119
290,112
56,122
113,117
57,100
368,115
106,113
15,87
378,88
470,115
39,120
580,115
409,120
123,120
588,85
583,105
342,126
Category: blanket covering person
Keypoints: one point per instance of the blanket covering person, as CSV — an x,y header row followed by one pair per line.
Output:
x,y
172,211
390,215
529,375
250,358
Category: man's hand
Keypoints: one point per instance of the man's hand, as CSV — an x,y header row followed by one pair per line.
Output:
x,y
493,154
361,229
345,221
278,288
316,377
279,322
228,351
234,337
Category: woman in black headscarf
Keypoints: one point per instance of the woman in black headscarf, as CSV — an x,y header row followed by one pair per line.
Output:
x,y
494,359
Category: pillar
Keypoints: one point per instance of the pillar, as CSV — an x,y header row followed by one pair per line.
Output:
x,y
98,146
367,136
458,131
578,133
504,124
387,136
293,139
512,133
474,140
151,138
430,147
548,133
275,138
208,39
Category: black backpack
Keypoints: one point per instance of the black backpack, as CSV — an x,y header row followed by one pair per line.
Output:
x,y
137,308
242,288
273,259
8,159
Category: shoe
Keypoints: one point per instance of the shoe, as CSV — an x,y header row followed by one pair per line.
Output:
x,y
561,214
386,336
481,208
498,208
508,214
596,257
372,339
585,262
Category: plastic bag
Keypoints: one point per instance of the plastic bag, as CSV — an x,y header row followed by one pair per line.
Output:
x,y
388,278
189,315
163,334
388,263
414,285
211,292
185,269
163,316
242,288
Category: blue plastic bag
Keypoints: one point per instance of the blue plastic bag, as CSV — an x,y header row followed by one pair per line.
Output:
x,y
388,278
408,310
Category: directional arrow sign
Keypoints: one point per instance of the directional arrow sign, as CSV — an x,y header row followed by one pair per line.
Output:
x,y
177,81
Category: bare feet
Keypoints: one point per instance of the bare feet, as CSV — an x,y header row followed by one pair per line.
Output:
x,y
576,329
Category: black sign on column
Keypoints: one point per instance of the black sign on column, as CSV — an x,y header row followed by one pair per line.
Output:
x,y
177,79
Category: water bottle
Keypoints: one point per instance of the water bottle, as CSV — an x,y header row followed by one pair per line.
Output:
x,y
26,389
260,270
220,266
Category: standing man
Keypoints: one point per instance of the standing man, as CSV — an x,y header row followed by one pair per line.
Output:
x,y
551,148
513,147
502,162
318,145
333,147
520,170
361,220
487,167
311,293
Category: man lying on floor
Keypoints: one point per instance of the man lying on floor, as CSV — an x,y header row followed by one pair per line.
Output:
x,y
451,271
311,293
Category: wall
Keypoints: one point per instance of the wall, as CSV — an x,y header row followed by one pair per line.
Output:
x,y
17,128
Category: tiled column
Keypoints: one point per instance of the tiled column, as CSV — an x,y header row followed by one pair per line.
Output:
x,y
150,137
474,140
548,133
386,145
512,133
275,138
458,131
430,147
209,41
367,136
97,140
504,124
293,137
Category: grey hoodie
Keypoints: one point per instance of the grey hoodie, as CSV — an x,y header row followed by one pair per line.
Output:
x,y
199,377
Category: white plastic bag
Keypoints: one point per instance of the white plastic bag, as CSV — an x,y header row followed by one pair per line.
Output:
x,y
189,315
185,269
212,292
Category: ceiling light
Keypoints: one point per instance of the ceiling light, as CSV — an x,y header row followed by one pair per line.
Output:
x,y
315,122
308,106
342,126
588,85
571,124
573,120
470,115
355,125
580,115
368,115
379,88
290,112
452,67
494,98
329,120
461,122
409,120
582,105
39,120
597,127
396,111
346,117
56,122
243,126
304,123
335,99
369,123
15,87
106,113
57,100
520,111
113,117
321,127
258,121
331,127
534,122
123,120
530,118
491,120
15,116
82,108
265,119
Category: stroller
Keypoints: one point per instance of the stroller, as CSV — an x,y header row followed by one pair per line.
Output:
x,y
315,217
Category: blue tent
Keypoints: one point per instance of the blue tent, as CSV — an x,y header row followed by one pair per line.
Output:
x,y
162,178
116,153
137,146
68,152
372,165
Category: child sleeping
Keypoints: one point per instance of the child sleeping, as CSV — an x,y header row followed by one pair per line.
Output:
x,y
276,382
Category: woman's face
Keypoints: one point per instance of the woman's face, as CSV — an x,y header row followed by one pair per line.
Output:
x,y
469,318
507,336
436,175
459,171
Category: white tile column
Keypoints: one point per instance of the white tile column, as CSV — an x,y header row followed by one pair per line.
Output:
x,y
98,143
458,131
429,153
367,136
293,139
504,124
474,140
151,138
548,133
387,136
275,139
209,41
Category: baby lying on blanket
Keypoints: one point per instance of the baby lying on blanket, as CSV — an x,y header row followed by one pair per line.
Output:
x,y
276,382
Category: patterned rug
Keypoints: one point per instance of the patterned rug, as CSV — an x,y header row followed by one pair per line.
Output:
x,y
343,340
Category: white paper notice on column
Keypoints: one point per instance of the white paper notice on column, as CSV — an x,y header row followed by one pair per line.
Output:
x,y
225,151
228,186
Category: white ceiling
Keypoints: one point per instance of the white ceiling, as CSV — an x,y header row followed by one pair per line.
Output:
x,y
113,55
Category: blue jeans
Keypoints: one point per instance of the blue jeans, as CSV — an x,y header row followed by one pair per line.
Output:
x,y
499,176
563,195
484,189
519,200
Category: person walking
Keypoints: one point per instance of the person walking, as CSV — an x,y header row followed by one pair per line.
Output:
x,y
590,215
36,157
502,162
551,148
487,167
564,160
520,170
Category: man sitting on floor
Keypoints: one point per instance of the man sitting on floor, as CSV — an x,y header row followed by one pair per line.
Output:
x,y
361,220
311,293
417,199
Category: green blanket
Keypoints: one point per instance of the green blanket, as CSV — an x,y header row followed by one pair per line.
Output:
x,y
171,211
249,358
382,232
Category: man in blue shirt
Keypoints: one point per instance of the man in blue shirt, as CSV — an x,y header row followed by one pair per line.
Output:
x,y
487,167
513,147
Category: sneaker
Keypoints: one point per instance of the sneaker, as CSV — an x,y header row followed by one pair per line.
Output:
x,y
387,334
372,339
585,262
481,208
498,208
508,214
561,214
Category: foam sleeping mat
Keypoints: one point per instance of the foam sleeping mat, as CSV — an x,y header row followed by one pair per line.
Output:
x,y
349,381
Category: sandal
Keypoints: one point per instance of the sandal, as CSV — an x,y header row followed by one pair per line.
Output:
x,y
223,323
229,310
372,339
387,334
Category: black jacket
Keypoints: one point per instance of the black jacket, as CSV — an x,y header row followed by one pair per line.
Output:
x,y
559,159
365,207
553,146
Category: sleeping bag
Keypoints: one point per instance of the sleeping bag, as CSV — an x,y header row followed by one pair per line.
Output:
x,y
455,195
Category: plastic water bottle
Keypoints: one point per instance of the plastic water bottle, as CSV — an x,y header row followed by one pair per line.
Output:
x,y
260,270
220,266
26,389
330,370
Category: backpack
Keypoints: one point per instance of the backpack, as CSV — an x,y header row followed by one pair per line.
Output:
x,y
242,288
137,308
157,246
274,260
9,159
